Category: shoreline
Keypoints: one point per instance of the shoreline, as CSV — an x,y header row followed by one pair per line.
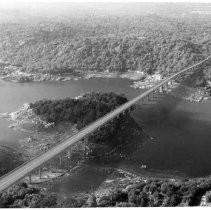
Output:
x,y
139,81
21,77
50,177
113,175
32,145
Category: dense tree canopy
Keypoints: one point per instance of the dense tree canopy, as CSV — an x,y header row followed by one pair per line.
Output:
x,y
80,111
24,196
151,192
154,193
148,43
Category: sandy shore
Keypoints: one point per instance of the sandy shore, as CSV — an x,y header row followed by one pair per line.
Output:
x,y
13,74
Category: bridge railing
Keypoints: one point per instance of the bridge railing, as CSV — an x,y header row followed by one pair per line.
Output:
x,y
28,167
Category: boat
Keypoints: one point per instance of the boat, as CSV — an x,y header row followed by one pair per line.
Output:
x,y
152,139
144,166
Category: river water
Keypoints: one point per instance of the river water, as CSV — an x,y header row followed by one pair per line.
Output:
x,y
181,130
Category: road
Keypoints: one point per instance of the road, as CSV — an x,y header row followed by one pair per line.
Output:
x,y
25,169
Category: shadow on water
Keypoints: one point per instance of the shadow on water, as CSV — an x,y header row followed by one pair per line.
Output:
x,y
181,142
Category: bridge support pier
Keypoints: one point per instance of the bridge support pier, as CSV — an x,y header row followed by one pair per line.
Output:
x,y
60,160
40,173
68,153
153,94
30,179
148,96
161,89
144,100
166,87
50,165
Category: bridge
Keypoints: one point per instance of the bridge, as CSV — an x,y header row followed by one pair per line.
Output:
x,y
27,168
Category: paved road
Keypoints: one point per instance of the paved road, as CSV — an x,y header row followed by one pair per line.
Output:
x,y
22,171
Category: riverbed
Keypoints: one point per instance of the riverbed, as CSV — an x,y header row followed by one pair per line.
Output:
x,y
180,130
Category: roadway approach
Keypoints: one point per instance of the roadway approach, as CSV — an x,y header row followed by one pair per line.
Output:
x,y
27,168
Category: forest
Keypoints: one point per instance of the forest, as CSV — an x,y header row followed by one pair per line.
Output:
x,y
24,196
146,43
149,193
157,192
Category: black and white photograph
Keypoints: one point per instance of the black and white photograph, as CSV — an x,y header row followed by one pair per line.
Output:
x,y
105,103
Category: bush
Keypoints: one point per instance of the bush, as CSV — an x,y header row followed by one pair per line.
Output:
x,y
153,187
132,195
105,201
72,203
208,196
124,204
21,196
91,201
146,188
48,201
174,200
164,188
157,199
143,200
119,196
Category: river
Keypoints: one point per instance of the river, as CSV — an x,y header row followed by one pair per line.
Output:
x,y
180,129
13,95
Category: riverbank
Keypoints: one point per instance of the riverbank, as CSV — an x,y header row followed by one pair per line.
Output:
x,y
38,77
121,188
191,94
19,76
14,74
140,81
118,189
134,191
131,75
